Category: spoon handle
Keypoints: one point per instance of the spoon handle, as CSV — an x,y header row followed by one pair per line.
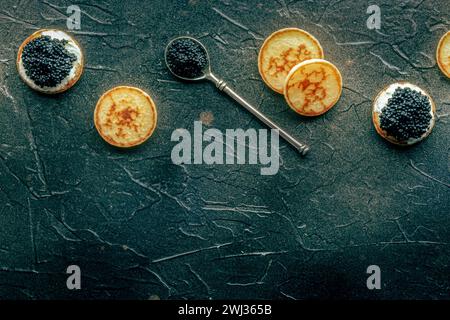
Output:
x,y
222,86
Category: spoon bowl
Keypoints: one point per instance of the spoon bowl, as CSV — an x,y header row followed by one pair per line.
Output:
x,y
206,70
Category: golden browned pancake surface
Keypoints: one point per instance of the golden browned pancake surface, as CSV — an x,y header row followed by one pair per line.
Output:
x,y
282,51
443,54
313,87
125,116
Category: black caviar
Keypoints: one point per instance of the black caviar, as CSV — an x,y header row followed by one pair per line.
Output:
x,y
46,61
187,58
407,114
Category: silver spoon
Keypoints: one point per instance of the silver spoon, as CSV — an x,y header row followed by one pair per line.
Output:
x,y
222,86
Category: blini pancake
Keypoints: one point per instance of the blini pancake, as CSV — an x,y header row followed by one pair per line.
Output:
x,y
71,47
282,51
313,87
443,54
381,102
125,116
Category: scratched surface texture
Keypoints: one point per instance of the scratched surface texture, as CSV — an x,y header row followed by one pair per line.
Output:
x,y
140,227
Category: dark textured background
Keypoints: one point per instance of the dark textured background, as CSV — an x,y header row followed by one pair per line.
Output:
x,y
140,227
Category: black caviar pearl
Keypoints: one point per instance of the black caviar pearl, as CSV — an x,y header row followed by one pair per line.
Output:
x,y
46,61
187,58
407,114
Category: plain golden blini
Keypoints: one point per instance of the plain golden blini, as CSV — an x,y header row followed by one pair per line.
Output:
x,y
313,87
125,116
443,54
283,50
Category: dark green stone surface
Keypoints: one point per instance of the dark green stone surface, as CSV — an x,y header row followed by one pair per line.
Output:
x,y
139,226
